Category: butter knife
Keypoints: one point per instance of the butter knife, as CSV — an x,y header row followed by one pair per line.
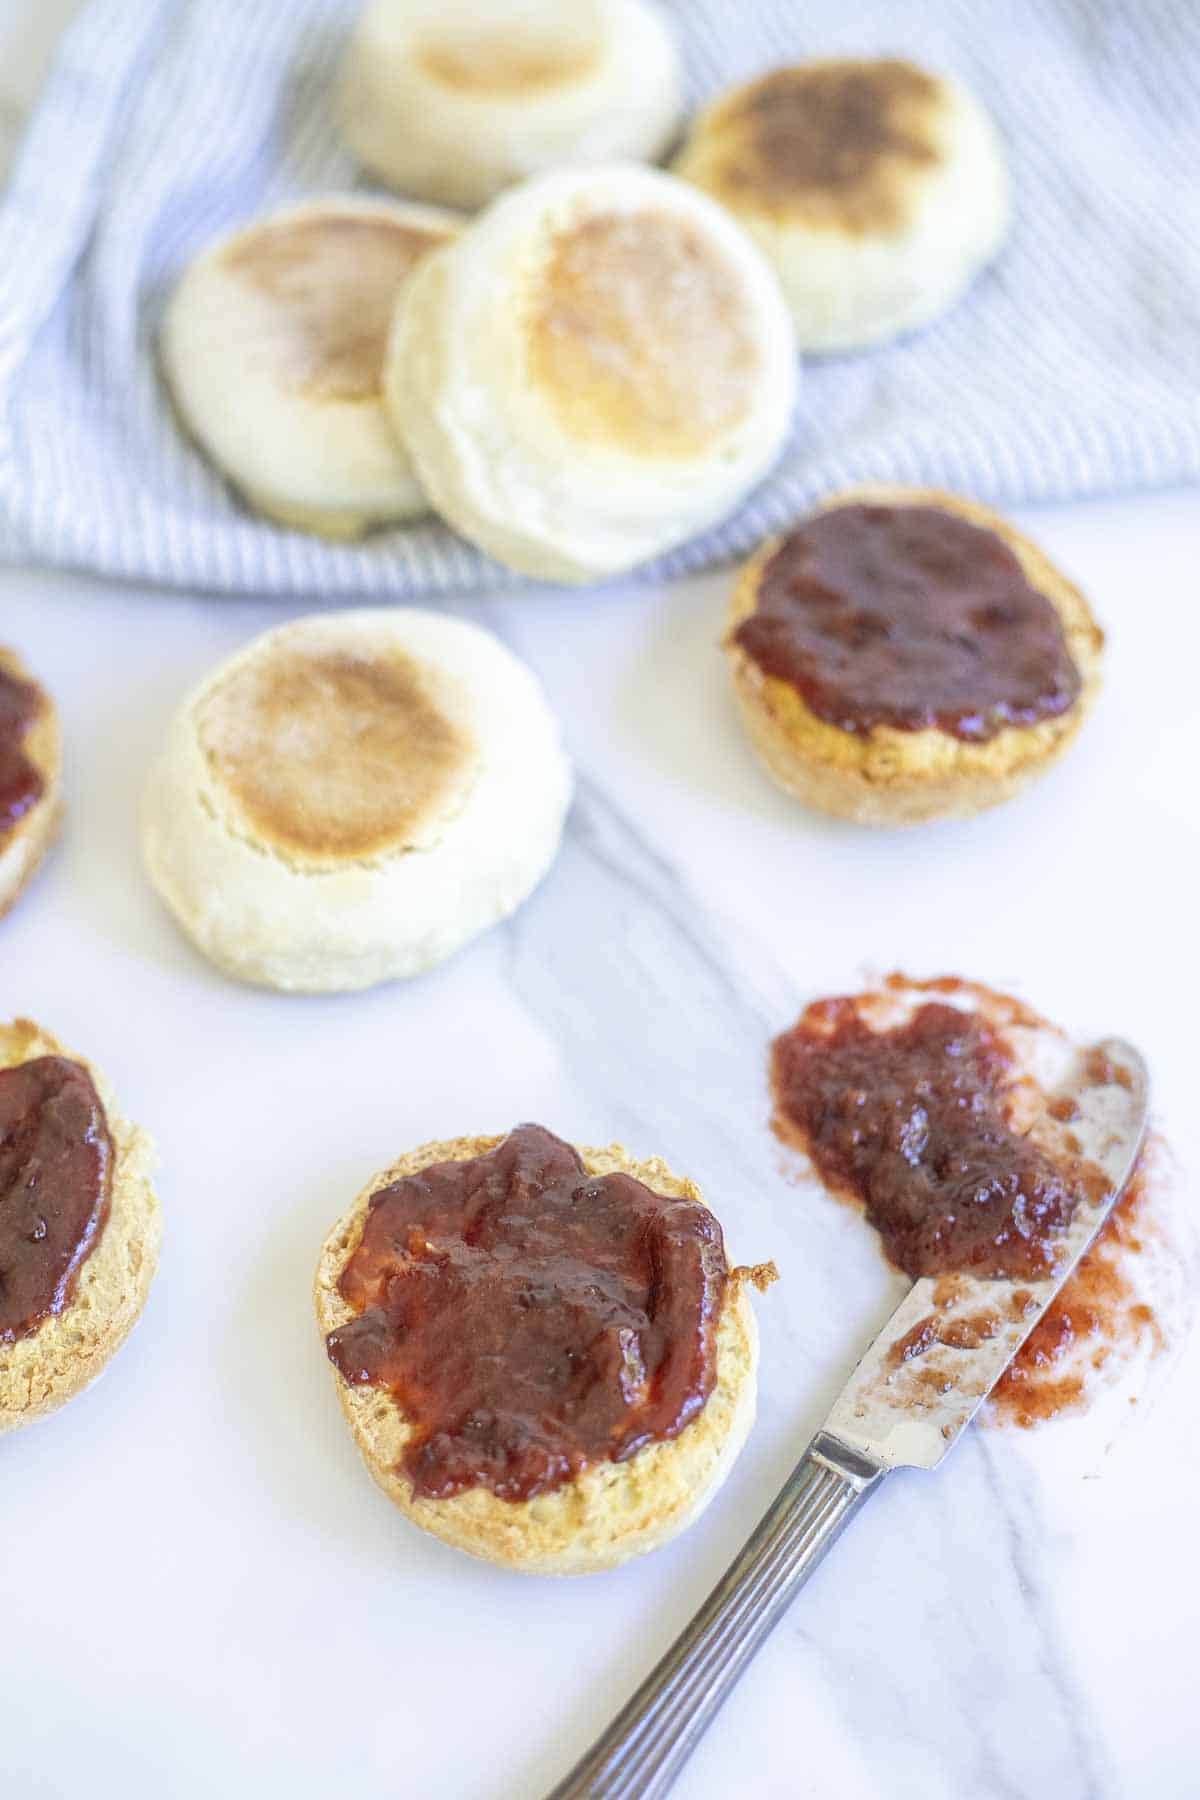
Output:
x,y
907,1403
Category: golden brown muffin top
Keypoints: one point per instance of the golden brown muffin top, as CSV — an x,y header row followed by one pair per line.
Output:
x,y
335,754
839,144
331,280
640,337
507,63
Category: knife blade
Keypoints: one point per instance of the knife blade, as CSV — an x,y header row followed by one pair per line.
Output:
x,y
962,1331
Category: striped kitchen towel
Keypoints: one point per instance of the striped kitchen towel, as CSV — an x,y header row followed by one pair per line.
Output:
x,y
1073,366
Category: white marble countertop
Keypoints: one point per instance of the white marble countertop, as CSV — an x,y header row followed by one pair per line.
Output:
x,y
200,1590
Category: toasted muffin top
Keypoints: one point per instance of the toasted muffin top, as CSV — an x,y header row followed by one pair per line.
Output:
x,y
640,336
326,283
840,145
335,753
510,61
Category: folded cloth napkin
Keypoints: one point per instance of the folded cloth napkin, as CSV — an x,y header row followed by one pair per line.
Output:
x,y
1072,367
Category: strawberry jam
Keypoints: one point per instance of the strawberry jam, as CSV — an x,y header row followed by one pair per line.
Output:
x,y
55,1173
20,783
909,617
911,1122
530,1319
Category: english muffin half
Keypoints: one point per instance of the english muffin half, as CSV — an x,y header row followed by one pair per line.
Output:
x,y
30,776
906,655
541,1352
273,346
453,102
599,368
79,1224
353,796
877,190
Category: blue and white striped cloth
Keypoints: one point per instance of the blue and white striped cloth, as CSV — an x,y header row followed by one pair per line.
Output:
x,y
1073,367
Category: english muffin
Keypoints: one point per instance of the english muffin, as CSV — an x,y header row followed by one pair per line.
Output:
x,y
30,776
453,102
877,190
273,346
542,1354
599,367
353,796
79,1224
906,655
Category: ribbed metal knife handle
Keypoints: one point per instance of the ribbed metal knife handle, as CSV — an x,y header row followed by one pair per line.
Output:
x,y
643,1750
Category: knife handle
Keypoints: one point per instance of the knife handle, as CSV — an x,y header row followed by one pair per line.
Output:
x,y
647,1744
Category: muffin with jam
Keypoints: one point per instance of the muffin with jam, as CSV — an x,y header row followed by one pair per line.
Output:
x,y
906,655
30,776
79,1224
542,1351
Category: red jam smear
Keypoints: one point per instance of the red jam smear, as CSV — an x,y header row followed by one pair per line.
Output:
x,y
1096,1312
531,1319
21,785
909,617
912,1123
55,1175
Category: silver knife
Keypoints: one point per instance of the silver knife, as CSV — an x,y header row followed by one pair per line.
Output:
x,y
908,1401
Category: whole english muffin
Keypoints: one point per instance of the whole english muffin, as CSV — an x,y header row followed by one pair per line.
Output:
x,y
46,1361
606,1511
600,366
453,100
30,776
876,189
352,796
884,775
273,346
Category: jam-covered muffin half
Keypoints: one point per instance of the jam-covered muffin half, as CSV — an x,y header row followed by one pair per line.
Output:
x,y
904,655
79,1224
542,1351
30,776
